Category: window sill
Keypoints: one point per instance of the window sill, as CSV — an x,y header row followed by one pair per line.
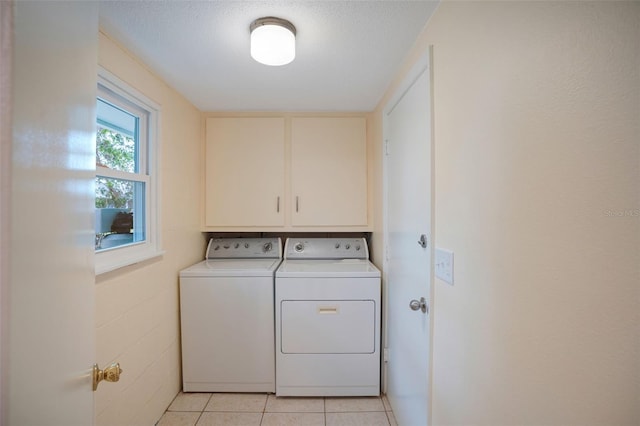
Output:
x,y
119,258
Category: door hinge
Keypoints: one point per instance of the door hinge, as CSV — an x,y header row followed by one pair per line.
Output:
x,y
386,147
385,355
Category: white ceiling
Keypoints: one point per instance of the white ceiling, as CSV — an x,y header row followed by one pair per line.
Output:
x,y
346,51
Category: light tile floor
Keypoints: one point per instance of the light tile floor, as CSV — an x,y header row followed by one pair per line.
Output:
x,y
242,409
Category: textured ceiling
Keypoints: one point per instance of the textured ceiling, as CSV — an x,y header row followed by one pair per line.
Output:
x,y
346,51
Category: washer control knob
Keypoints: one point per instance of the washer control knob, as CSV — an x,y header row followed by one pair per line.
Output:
x,y
358,247
298,247
347,246
216,248
226,246
337,245
267,247
237,245
246,245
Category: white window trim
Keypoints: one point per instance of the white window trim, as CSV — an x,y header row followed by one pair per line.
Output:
x,y
119,257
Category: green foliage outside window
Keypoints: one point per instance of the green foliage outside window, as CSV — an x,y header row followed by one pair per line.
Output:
x,y
115,151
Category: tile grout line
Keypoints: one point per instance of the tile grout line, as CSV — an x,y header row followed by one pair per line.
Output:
x,y
324,408
204,407
264,409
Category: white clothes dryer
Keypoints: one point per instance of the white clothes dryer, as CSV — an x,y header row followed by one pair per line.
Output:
x,y
227,317
327,319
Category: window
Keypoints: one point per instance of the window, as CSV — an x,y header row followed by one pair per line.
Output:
x,y
126,222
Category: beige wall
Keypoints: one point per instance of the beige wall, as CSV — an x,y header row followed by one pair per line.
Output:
x,y
537,155
137,315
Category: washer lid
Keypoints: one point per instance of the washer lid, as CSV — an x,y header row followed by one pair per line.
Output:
x,y
334,268
232,268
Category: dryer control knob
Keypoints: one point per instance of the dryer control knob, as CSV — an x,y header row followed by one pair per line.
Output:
x,y
267,247
298,247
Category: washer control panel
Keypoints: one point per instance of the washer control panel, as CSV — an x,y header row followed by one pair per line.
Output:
x,y
326,248
244,248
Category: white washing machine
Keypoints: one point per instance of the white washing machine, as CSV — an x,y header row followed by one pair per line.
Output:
x,y
327,319
227,317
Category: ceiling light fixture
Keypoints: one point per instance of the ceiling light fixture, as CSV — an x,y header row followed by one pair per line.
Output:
x,y
273,41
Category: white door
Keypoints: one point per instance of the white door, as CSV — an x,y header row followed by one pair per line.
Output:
x,y
407,127
50,320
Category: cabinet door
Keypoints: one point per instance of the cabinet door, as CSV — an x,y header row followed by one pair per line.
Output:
x,y
329,171
244,171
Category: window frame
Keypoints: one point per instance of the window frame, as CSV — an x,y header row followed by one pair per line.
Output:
x,y
125,96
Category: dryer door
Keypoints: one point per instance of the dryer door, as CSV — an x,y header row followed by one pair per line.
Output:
x,y
328,326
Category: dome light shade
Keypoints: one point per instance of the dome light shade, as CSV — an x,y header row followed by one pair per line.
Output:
x,y
273,41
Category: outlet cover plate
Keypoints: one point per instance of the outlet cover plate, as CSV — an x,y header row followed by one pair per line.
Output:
x,y
444,265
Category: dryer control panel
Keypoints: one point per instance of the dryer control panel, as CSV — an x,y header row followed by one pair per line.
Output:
x,y
244,248
326,248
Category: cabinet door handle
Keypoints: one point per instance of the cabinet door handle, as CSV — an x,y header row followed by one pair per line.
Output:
x,y
297,204
278,205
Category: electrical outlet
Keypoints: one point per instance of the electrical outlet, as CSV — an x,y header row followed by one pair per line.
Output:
x,y
444,265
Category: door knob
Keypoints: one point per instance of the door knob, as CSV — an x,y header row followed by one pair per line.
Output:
x,y
419,305
109,374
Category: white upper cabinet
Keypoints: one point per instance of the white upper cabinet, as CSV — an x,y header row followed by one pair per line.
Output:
x,y
329,171
245,165
286,173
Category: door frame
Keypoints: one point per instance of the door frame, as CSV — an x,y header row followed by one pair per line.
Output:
x,y
423,64
6,68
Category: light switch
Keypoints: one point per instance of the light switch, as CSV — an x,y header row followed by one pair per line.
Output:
x,y
444,265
